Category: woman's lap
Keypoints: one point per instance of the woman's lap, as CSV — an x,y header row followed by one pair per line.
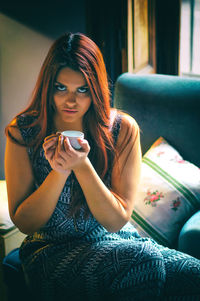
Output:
x,y
132,269
142,269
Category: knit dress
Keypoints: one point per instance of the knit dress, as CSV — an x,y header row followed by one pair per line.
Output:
x,y
78,259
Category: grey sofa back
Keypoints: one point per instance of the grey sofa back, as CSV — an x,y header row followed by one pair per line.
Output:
x,y
163,105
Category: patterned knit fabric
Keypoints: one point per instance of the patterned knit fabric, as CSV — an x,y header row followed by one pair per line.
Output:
x,y
78,259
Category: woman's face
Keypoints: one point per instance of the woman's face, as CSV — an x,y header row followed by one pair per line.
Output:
x,y
71,99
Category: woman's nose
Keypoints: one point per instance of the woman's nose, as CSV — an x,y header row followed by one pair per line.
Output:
x,y
71,97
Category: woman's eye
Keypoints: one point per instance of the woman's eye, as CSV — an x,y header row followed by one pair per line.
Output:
x,y
83,90
60,88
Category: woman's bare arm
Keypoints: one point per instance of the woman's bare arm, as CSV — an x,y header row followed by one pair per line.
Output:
x,y
113,208
29,209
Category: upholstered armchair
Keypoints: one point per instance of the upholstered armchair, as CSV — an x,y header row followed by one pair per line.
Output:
x,y
167,109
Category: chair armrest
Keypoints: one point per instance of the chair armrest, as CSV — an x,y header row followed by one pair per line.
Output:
x,y
189,237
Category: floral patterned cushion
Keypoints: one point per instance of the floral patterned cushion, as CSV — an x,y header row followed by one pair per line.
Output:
x,y
169,194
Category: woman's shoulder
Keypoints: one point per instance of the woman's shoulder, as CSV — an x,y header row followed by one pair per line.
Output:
x,y
26,119
128,123
23,127
124,118
129,128
14,132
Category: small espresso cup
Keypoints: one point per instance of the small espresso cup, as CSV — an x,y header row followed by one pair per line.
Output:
x,y
72,136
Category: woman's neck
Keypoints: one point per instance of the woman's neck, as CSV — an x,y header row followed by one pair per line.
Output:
x,y
60,126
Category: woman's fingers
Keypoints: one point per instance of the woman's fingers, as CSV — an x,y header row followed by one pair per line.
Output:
x,y
84,145
60,151
51,136
60,144
60,160
49,146
67,145
50,143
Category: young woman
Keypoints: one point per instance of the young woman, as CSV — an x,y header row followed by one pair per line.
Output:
x,y
74,205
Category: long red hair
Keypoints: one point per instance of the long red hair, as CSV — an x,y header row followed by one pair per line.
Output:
x,y
80,53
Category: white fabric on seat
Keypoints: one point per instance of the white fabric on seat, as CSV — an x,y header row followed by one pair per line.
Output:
x,y
5,221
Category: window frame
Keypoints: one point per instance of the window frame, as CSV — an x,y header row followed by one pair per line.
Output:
x,y
141,22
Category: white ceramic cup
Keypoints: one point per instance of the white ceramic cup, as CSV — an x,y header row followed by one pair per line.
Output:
x,y
72,136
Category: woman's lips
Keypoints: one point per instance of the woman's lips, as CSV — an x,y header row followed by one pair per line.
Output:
x,y
70,111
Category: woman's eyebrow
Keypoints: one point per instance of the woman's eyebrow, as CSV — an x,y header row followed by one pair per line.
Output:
x,y
82,86
57,82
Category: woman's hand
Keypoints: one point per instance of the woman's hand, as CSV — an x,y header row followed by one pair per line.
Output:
x,y
50,145
73,158
62,156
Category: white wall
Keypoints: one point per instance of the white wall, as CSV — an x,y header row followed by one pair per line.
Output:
x,y
22,52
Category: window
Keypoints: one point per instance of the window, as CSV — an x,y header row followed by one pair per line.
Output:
x,y
190,38
141,36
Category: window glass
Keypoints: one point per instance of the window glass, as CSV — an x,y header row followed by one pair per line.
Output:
x,y
190,38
